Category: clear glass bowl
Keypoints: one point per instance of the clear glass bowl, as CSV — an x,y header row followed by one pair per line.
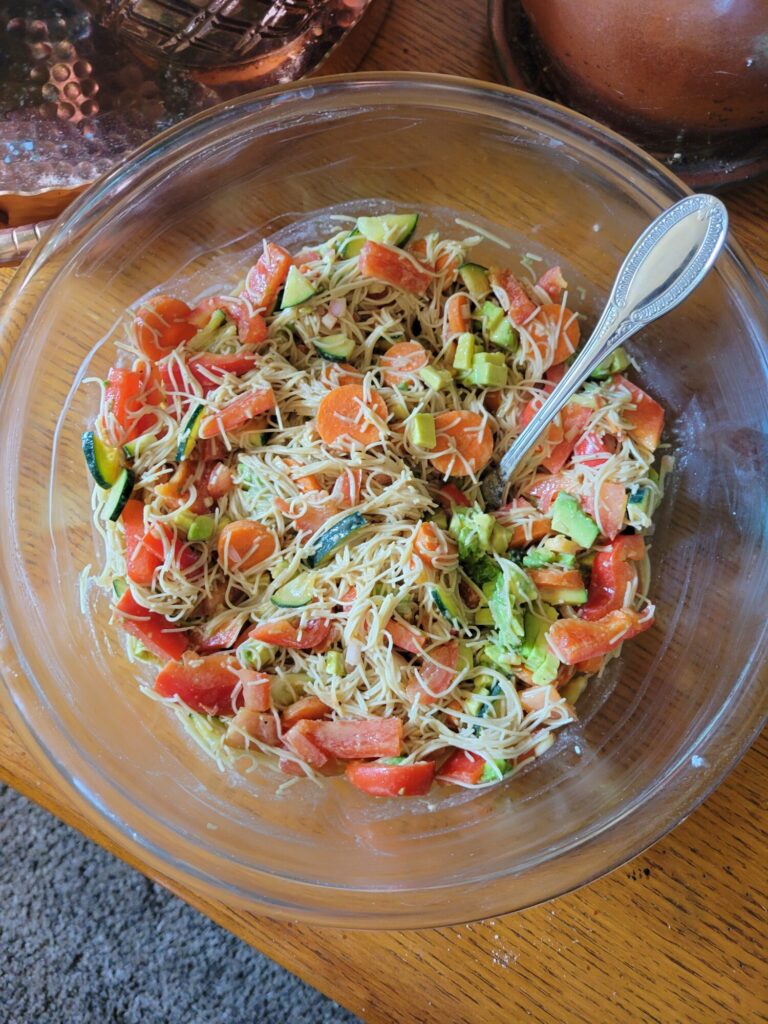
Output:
x,y
683,702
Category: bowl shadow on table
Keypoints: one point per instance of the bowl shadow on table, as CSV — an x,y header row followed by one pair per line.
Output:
x,y
639,728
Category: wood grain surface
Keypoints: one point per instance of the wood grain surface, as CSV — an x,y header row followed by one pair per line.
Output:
x,y
677,936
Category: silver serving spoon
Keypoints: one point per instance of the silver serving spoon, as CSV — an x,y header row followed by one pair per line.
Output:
x,y
665,264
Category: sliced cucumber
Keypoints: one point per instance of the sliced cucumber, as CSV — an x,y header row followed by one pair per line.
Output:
x,y
351,244
332,539
389,229
475,278
297,289
103,461
297,593
188,432
133,449
119,493
336,348
447,605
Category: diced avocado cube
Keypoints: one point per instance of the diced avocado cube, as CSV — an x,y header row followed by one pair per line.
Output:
x,y
254,654
490,358
483,617
475,279
500,538
475,702
499,657
538,557
617,362
569,518
423,431
201,528
466,658
184,519
491,315
434,378
504,336
487,375
334,662
495,770
566,595
465,352
473,530
440,519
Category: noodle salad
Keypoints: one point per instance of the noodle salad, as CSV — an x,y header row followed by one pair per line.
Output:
x,y
288,491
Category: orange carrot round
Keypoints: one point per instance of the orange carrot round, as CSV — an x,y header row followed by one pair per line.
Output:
x,y
339,415
543,327
402,362
464,443
456,319
434,546
245,544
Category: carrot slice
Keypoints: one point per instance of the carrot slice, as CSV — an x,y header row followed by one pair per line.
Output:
x,y
336,375
402,362
245,544
161,325
553,318
238,412
464,443
385,264
456,319
340,415
435,547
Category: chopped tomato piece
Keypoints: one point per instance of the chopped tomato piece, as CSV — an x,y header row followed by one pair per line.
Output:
x,y
251,326
306,708
348,740
210,367
518,303
314,516
462,767
300,738
257,690
282,633
575,640
553,283
589,666
392,779
161,325
407,638
437,674
265,279
205,683
346,490
223,639
443,262
611,575
256,725
537,697
611,506
450,495
594,446
145,549
124,397
562,436
238,412
383,263
646,419
160,636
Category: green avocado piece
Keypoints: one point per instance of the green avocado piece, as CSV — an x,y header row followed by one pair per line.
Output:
x,y
569,519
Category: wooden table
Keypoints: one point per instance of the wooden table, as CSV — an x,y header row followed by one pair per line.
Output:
x,y
675,937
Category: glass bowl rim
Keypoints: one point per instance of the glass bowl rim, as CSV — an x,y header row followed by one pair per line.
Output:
x,y
83,216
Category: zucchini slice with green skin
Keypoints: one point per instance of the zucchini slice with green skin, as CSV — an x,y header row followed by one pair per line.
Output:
x,y
297,593
475,279
447,605
297,289
332,539
188,432
336,348
133,449
119,586
119,493
351,244
389,229
104,462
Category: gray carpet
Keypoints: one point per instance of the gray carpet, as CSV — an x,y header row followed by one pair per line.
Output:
x,y
84,939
